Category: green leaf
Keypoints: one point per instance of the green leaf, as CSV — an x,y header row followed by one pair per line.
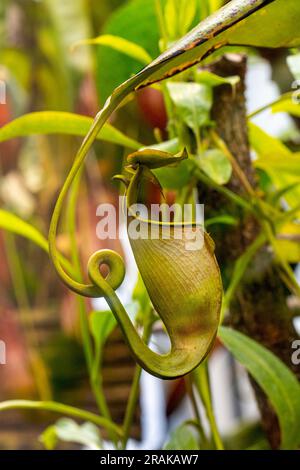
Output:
x,y
49,438
14,224
52,122
102,325
182,438
119,44
216,165
175,177
193,102
213,80
277,160
67,430
274,377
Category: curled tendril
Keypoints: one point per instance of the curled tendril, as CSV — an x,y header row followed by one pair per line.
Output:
x,y
116,274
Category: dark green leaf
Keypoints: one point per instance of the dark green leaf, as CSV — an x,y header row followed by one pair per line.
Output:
x,y
278,382
216,165
193,102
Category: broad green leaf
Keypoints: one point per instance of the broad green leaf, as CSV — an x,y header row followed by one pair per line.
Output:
x,y
193,102
294,65
215,4
287,106
267,146
182,438
67,430
213,80
102,325
175,177
119,44
274,377
52,122
278,161
14,224
216,165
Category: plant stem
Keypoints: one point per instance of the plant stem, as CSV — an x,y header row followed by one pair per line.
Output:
x,y
191,393
201,380
134,392
239,270
62,409
283,97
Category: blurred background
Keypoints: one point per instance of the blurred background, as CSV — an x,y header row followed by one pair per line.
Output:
x,y
44,69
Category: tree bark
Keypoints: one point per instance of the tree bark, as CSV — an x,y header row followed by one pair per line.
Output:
x,y
259,308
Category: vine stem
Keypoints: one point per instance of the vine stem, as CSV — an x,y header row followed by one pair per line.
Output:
x,y
61,409
283,97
